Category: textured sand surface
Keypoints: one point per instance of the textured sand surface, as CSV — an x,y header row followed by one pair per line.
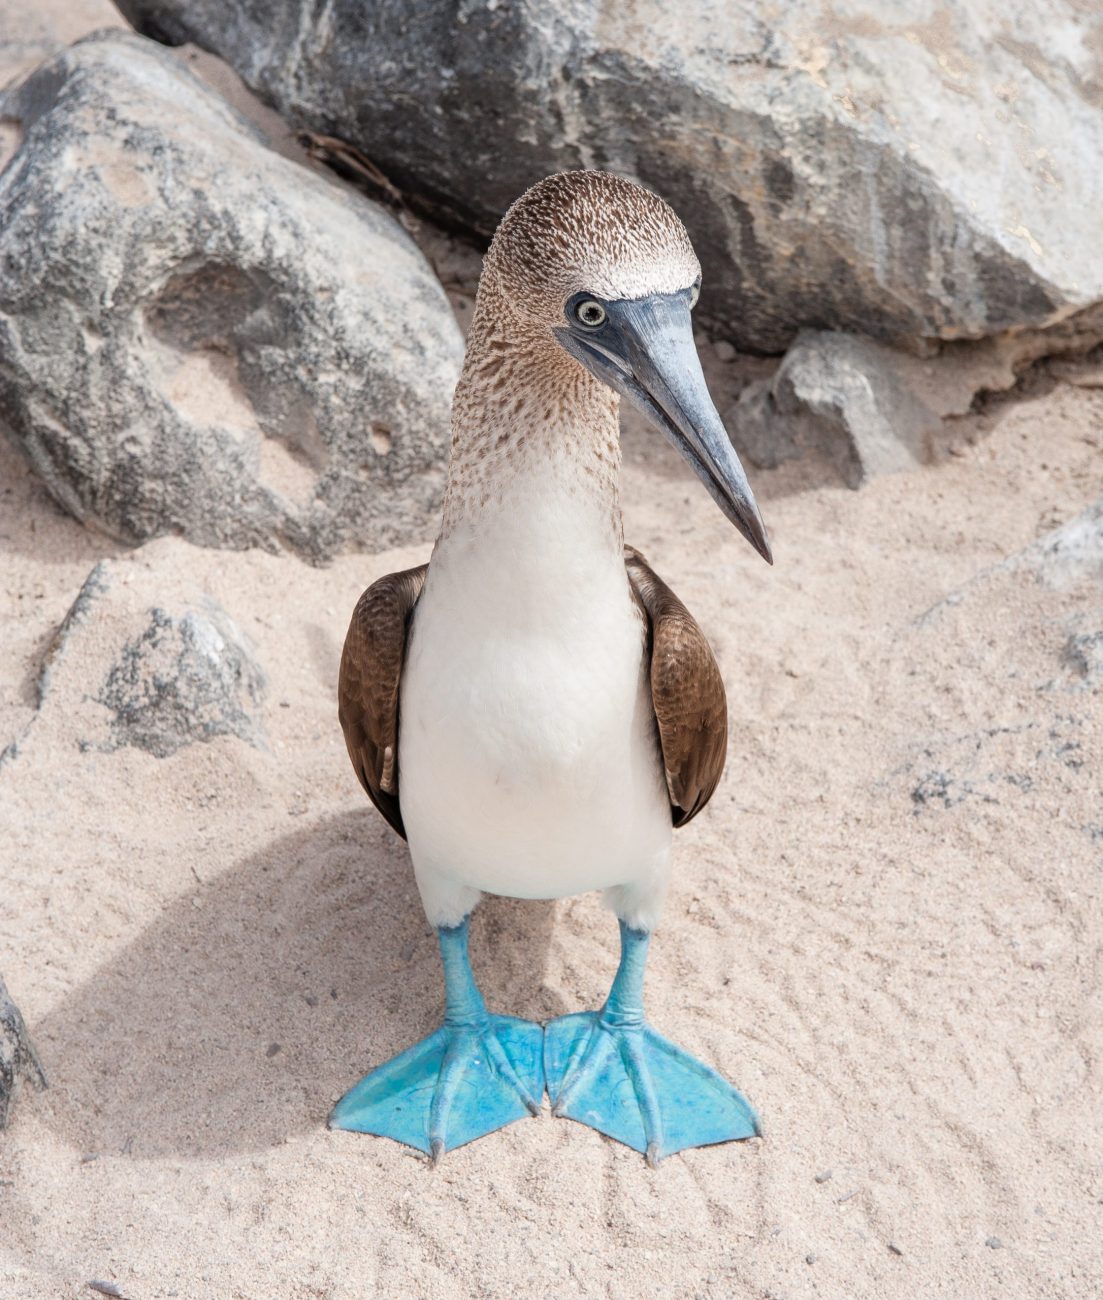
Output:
x,y
908,991
885,929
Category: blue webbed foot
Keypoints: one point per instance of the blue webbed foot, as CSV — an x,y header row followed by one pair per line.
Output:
x,y
609,1069
477,1073
460,1083
634,1085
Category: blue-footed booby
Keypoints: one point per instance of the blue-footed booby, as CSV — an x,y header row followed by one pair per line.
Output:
x,y
535,710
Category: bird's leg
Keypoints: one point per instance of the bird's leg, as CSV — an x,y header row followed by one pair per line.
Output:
x,y
477,1073
609,1069
473,1036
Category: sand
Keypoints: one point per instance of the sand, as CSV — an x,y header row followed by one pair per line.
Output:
x,y
885,929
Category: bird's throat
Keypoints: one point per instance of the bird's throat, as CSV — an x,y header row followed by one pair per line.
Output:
x,y
535,447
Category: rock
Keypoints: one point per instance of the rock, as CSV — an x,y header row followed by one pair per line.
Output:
x,y
184,678
1070,554
18,1058
853,167
143,660
1083,654
1084,372
1032,622
834,393
1064,558
200,337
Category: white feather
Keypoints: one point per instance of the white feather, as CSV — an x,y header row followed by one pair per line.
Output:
x,y
528,751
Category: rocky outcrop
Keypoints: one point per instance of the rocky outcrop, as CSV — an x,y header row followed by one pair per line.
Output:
x,y
200,337
839,395
143,659
18,1059
856,167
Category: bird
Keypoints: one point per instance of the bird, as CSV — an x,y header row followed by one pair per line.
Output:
x,y
535,710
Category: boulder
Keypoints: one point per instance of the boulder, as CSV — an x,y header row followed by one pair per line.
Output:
x,y
913,173
840,395
201,337
18,1059
144,659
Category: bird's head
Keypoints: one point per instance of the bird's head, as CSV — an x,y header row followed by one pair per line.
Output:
x,y
605,268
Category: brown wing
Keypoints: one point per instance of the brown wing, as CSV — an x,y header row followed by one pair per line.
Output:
x,y
367,690
687,692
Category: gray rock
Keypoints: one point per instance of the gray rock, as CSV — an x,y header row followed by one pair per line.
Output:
x,y
144,659
854,166
1066,557
1070,554
18,1058
187,677
1083,653
200,337
836,394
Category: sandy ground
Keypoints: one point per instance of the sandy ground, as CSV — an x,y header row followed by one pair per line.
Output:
x,y
885,929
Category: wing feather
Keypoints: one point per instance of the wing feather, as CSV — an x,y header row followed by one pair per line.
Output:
x,y
687,692
368,686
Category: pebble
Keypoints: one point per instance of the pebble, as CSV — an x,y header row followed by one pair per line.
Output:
x,y
825,1177
809,1259
994,1243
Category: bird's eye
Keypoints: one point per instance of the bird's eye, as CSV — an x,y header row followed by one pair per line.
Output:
x,y
590,313
694,294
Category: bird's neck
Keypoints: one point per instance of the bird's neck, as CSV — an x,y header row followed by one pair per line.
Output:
x,y
535,447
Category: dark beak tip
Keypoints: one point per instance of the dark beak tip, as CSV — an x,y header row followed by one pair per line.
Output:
x,y
755,533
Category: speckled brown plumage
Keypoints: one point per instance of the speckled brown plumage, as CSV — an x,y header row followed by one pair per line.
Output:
x,y
591,229
521,397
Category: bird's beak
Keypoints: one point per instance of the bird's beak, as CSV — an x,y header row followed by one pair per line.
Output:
x,y
645,350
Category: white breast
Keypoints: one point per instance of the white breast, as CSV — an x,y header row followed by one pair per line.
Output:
x,y
529,761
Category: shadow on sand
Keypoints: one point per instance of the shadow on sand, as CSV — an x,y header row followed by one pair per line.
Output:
x,y
244,1012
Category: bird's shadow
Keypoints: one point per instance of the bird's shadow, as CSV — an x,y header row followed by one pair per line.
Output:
x,y
257,998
